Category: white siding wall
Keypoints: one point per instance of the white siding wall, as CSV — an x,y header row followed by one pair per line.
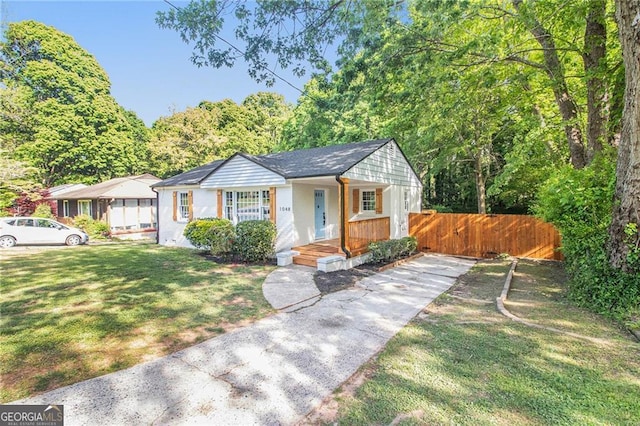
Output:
x,y
284,219
392,206
170,232
386,165
240,172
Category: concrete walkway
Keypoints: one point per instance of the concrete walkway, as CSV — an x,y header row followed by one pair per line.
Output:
x,y
290,286
274,371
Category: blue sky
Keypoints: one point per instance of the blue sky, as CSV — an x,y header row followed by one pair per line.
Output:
x,y
149,67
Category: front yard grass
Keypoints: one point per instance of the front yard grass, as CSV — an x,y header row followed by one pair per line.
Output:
x,y
461,362
71,314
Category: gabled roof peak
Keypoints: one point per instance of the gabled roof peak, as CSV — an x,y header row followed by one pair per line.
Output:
x,y
311,162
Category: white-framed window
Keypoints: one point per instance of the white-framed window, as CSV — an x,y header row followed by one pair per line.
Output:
x,y
84,208
65,208
368,201
406,200
183,206
240,206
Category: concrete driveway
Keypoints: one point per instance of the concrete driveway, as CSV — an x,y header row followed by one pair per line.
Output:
x,y
272,372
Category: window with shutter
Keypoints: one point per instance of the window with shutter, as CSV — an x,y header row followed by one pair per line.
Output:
x,y
369,201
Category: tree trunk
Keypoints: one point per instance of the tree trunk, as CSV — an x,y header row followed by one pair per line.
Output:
x,y
626,211
481,184
595,50
555,71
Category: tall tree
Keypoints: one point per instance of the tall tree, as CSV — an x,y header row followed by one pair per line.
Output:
x,y
73,129
624,232
216,130
296,31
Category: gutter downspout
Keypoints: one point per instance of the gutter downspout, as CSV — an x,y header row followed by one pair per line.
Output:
x,y
342,218
157,216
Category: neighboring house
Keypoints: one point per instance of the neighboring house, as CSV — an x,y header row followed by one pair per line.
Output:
x,y
127,204
56,191
333,200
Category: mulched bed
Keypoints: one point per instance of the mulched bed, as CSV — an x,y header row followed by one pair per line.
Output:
x,y
233,260
328,282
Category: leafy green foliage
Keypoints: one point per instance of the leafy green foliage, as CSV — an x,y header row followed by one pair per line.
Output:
x,y
213,234
61,116
255,240
579,204
216,130
16,178
44,210
96,229
390,250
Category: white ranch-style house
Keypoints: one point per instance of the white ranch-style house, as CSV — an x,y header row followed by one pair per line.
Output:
x,y
327,203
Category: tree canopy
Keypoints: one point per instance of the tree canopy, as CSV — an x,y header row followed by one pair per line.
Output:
x,y
60,116
216,130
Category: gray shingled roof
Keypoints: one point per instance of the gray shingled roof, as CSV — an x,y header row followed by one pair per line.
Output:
x,y
325,161
190,177
314,162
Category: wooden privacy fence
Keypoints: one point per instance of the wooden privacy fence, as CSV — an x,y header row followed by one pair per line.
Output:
x,y
482,235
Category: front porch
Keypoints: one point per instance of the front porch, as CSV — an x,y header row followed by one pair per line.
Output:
x,y
330,254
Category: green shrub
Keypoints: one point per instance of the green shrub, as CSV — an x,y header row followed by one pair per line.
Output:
x,y
579,204
391,250
43,210
213,234
94,228
255,240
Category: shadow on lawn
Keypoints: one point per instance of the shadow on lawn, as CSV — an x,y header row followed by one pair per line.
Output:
x,y
462,362
73,314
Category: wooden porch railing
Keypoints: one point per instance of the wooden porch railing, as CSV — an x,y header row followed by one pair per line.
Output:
x,y
363,232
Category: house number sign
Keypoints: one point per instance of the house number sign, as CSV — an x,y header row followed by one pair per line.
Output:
x,y
285,209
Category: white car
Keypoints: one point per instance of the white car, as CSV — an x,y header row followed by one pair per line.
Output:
x,y
37,230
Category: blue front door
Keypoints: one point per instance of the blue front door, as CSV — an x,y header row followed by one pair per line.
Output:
x,y
320,215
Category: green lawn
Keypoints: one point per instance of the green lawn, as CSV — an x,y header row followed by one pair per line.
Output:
x,y
72,314
461,362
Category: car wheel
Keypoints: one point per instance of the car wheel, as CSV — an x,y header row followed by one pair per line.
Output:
x,y
73,240
7,241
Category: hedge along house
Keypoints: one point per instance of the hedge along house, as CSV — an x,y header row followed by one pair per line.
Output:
x,y
327,203
127,204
